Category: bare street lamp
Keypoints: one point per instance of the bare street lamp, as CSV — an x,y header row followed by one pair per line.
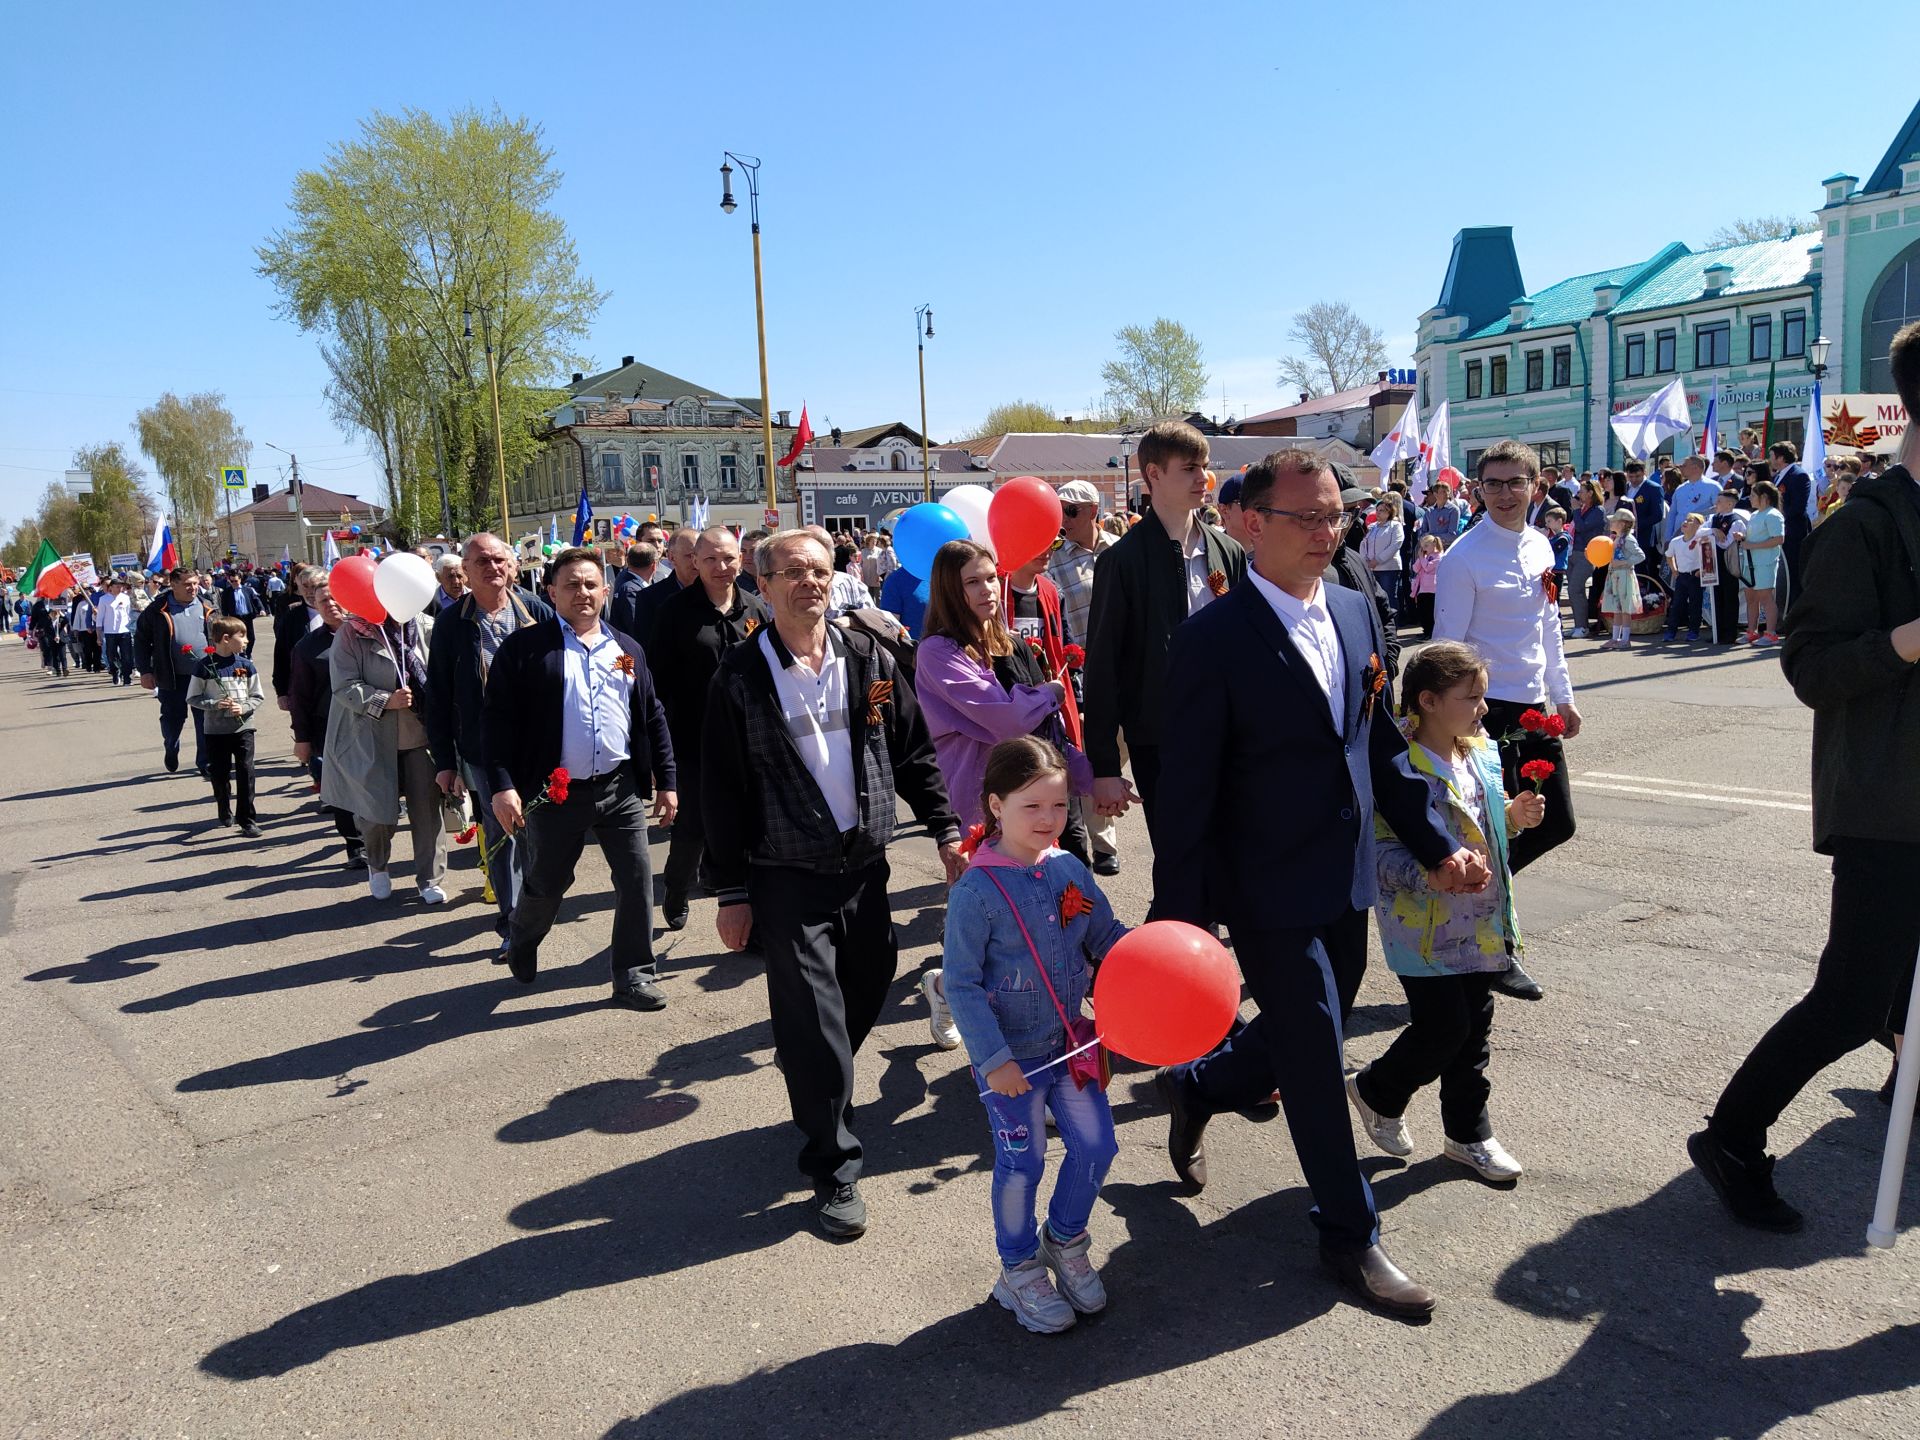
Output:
x,y
750,164
924,313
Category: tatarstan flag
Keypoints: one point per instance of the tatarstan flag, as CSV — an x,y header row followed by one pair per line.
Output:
x,y
48,575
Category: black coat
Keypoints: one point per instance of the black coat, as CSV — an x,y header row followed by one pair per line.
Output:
x,y
288,627
688,643
1349,571
1862,580
1266,808
647,606
310,697
1139,600
627,591
525,693
456,698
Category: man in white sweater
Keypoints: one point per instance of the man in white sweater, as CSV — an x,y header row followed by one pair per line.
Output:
x,y
1496,593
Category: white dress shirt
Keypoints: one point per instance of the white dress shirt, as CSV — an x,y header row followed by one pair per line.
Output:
x,y
116,614
1489,595
596,710
815,709
1194,551
1310,626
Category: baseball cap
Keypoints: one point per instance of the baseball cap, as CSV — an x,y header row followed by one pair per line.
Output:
x,y
1079,492
1350,493
1229,493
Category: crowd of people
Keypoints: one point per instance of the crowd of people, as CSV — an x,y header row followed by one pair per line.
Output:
x,y
1229,660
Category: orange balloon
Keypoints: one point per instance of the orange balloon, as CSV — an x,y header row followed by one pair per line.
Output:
x,y
1599,552
1166,994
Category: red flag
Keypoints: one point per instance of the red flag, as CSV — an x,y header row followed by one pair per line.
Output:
x,y
800,439
55,580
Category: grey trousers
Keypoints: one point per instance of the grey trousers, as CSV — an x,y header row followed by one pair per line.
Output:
x,y
423,818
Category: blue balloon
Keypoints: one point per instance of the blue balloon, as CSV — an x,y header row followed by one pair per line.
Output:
x,y
355,530
921,532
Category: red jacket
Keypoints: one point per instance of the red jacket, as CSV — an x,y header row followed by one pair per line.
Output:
x,y
1053,640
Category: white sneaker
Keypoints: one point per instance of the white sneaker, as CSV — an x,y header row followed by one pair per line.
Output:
x,y
1487,1156
378,883
939,1017
1389,1132
1027,1290
432,895
1073,1272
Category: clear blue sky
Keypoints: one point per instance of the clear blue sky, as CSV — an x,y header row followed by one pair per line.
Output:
x,y
1043,174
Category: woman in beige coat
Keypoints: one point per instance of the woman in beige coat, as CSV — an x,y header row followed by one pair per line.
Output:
x,y
377,744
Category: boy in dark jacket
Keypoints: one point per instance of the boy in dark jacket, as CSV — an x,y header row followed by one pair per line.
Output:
x,y
1852,654
226,689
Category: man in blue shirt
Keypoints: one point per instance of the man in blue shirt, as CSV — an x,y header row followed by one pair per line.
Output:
x,y
1695,496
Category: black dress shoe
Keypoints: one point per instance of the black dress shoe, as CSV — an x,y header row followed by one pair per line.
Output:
x,y
525,964
1745,1187
639,995
1186,1124
841,1212
1106,864
673,912
250,830
1379,1282
1515,982
170,757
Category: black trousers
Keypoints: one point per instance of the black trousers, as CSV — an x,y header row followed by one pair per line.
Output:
x,y
1293,1046
1595,587
1144,760
1448,1020
230,768
1503,717
343,822
1861,986
613,812
687,836
1726,606
831,956
1346,943
1423,609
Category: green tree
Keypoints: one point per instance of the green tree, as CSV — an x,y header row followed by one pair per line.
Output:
x,y
188,441
1159,371
1748,229
117,517
409,250
1343,350
1025,417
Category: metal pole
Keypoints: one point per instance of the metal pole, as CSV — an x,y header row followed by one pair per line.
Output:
x,y
760,321
1893,1164
926,443
499,445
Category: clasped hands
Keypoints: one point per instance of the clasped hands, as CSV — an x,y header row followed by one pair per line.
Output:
x,y
1112,795
1465,872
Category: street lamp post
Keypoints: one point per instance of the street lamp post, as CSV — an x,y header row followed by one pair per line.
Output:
x,y
1817,358
920,337
299,497
493,384
750,164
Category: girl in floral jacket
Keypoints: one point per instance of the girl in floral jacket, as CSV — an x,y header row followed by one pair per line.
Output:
x,y
1446,949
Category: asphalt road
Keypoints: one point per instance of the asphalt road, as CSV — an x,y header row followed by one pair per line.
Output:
x,y
279,1159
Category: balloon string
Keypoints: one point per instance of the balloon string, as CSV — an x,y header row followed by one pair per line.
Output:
x,y
1029,1074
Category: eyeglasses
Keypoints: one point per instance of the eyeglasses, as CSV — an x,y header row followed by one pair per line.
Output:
x,y
794,574
1072,512
1521,483
1335,520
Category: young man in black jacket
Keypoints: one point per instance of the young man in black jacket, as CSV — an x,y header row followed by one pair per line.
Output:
x,y
1853,654
810,739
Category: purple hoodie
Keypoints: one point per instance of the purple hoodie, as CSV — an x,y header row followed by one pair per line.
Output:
x,y
969,712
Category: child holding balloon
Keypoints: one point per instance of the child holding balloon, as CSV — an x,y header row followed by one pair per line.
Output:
x,y
1620,600
1447,949
1024,926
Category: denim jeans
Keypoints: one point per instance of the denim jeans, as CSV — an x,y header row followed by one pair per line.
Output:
x,y
503,851
173,720
1019,1126
1684,611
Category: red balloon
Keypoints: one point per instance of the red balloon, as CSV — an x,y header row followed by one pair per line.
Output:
x,y
1166,994
352,583
1024,520
1450,476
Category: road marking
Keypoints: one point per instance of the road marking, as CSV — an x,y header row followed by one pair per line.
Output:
x,y
1695,795
1704,784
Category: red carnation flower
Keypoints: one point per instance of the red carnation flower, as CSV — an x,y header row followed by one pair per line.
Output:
x,y
1535,772
186,649
1533,721
1556,727
1076,657
213,650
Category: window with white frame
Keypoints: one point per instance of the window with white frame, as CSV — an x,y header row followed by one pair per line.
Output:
x,y
690,472
729,472
612,481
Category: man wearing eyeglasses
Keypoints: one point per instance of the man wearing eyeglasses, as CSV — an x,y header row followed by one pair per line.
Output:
x,y
1495,592
809,737
1266,822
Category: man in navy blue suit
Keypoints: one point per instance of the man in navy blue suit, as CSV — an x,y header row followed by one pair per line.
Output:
x,y
1273,764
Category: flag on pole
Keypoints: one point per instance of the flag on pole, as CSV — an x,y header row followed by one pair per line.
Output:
x,y
697,513
161,554
1710,430
1766,425
1402,442
286,555
1435,446
1815,459
582,517
801,438
1661,415
331,557
48,575
553,529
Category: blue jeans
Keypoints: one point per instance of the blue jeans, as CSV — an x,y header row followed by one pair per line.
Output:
x,y
1389,583
1019,1126
503,851
1684,613
173,719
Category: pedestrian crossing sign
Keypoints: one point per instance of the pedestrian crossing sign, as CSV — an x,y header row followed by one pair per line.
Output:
x,y
233,477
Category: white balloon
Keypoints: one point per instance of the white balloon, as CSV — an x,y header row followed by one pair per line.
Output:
x,y
971,503
404,583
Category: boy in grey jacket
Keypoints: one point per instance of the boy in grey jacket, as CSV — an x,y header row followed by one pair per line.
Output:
x,y
226,685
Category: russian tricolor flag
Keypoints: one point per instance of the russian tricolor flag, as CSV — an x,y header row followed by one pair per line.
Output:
x,y
163,554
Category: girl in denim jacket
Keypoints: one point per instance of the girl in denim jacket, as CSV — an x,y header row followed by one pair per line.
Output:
x,y
1014,1033
1446,949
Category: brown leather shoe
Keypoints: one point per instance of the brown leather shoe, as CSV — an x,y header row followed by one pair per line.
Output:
x,y
1187,1124
1379,1282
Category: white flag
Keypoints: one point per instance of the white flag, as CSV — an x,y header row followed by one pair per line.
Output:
x,y
1435,446
1402,442
1815,460
331,556
1659,416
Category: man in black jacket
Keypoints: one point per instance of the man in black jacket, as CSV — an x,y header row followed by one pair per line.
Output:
x,y
810,741
466,637
1267,823
1791,479
1853,654
168,641
697,627
643,614
1145,585
574,694
296,618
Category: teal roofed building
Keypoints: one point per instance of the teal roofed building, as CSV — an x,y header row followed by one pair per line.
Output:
x,y
1550,365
